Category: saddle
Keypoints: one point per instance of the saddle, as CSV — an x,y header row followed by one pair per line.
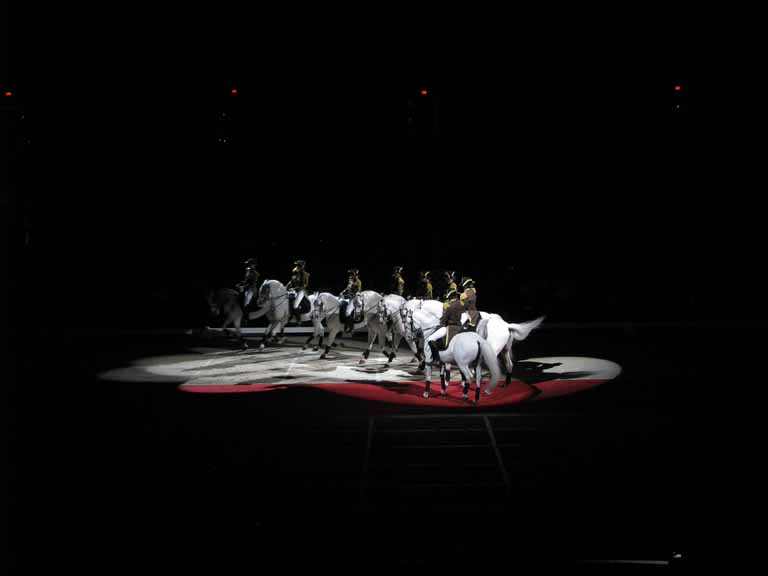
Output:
x,y
304,307
348,313
451,331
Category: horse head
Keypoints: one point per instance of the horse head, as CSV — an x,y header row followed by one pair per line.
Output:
x,y
406,315
213,304
318,306
265,293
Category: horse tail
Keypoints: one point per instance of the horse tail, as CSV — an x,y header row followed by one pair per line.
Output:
x,y
521,331
490,360
482,328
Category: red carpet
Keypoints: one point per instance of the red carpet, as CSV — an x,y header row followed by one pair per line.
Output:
x,y
411,392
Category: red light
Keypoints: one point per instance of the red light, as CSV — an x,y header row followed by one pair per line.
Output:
x,y
234,90
8,93
424,92
678,88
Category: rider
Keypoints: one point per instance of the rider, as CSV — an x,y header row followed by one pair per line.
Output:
x,y
450,325
425,285
450,282
300,283
248,285
469,299
398,284
354,285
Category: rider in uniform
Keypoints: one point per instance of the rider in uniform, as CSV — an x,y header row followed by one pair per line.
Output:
x,y
354,286
469,299
248,286
397,285
300,283
425,285
450,282
450,326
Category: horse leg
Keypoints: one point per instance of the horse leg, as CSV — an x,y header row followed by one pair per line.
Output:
x,y
307,341
315,323
319,332
396,337
419,356
427,379
281,334
333,328
243,343
508,361
381,338
442,380
267,334
412,346
392,353
479,372
427,356
466,377
371,338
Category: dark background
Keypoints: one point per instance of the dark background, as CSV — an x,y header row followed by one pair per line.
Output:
x,y
560,175
566,183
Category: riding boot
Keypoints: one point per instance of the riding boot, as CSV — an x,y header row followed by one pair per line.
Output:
x,y
435,351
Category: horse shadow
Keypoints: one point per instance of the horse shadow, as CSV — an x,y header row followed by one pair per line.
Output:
x,y
534,372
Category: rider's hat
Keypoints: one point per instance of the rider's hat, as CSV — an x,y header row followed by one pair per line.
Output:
x,y
397,269
451,295
466,281
251,262
300,263
354,271
425,274
450,274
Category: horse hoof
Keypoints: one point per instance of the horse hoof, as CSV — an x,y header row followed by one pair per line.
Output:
x,y
426,395
486,392
314,349
474,401
303,348
362,361
464,396
443,393
261,345
322,356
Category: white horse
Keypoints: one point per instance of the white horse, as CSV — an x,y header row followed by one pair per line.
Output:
x,y
420,325
468,349
273,301
372,308
434,307
500,335
325,306
225,302
394,305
